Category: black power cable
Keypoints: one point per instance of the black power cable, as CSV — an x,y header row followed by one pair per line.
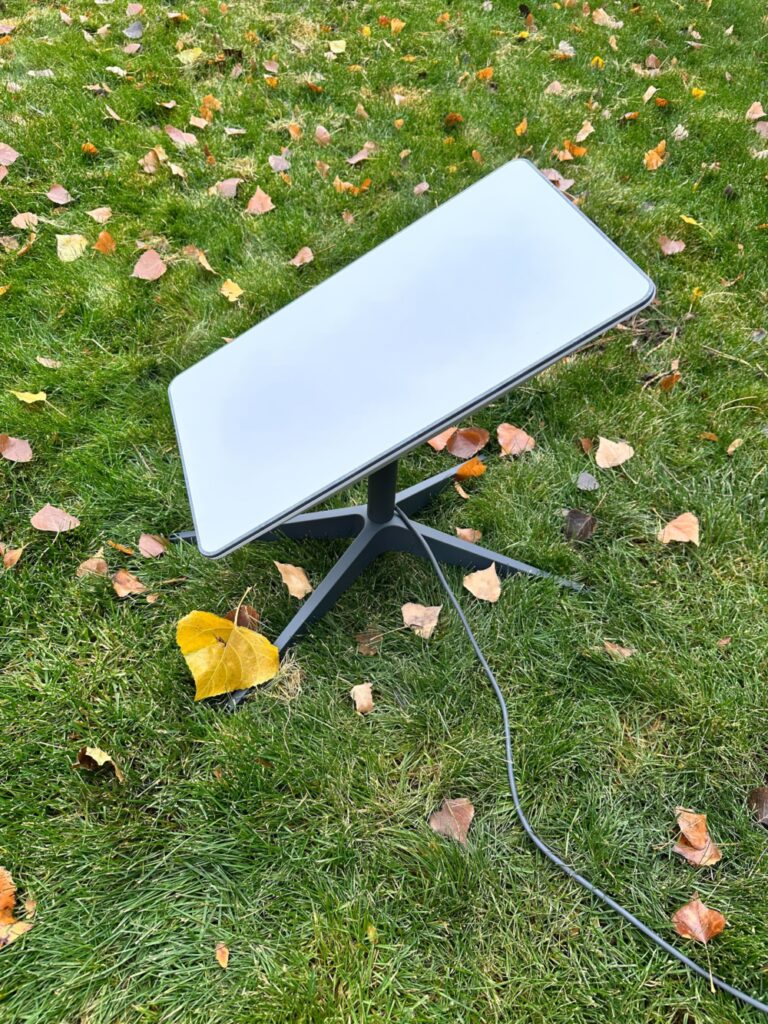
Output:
x,y
539,843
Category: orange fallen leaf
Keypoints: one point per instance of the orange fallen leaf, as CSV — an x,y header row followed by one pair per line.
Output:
x,y
485,74
231,290
453,819
439,441
521,128
654,158
514,440
362,695
484,584
93,758
467,470
695,843
11,927
105,244
222,955
612,453
11,556
54,520
683,529
295,579
125,583
422,619
697,921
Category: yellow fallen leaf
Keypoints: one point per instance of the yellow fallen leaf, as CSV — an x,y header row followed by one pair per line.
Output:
x,y
222,955
698,93
189,57
521,128
231,291
222,656
30,397
94,758
689,220
70,247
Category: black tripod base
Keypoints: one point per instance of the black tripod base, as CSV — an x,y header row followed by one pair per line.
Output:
x,y
377,529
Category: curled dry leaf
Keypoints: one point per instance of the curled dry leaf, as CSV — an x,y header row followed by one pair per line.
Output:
x,y
468,534
54,520
579,526
11,555
15,449
514,440
244,615
362,695
453,819
295,579
612,453
758,804
125,583
259,203
302,257
697,921
422,619
50,364
94,566
11,927
368,642
152,546
466,441
684,529
94,758
222,955
484,584
695,843
670,246
654,158
149,266
472,467
223,656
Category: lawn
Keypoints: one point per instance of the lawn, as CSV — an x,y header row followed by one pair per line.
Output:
x,y
295,831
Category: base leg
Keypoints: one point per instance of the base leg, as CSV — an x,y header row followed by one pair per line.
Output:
x,y
414,498
454,551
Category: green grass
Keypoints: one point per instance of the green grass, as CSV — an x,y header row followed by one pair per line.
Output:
x,y
291,828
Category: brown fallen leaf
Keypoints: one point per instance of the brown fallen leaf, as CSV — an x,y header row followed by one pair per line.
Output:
x,y
302,257
579,526
369,642
619,652
149,266
94,566
93,758
244,615
54,520
295,579
121,547
15,449
755,111
758,804
670,246
683,529
125,583
105,244
471,468
453,819
11,927
695,843
152,546
697,921
422,619
222,955
514,440
362,695
484,584
259,203
466,441
468,534
612,453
